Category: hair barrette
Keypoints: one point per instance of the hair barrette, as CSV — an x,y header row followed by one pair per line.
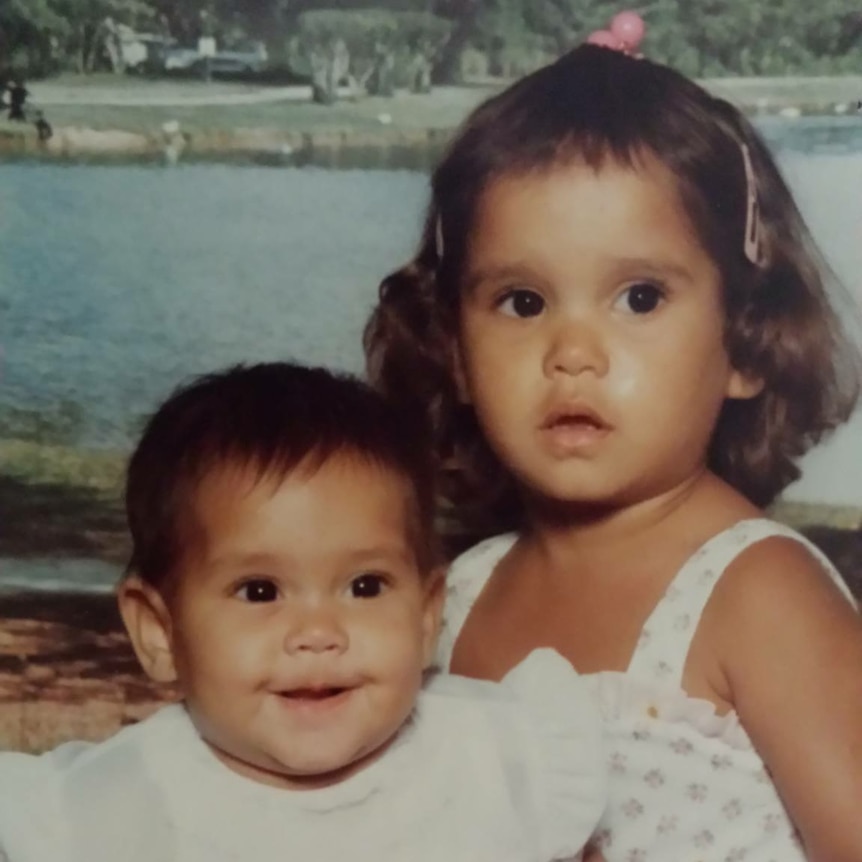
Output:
x,y
438,238
753,242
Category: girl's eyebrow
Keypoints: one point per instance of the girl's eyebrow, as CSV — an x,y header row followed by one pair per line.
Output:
x,y
497,273
655,266
650,266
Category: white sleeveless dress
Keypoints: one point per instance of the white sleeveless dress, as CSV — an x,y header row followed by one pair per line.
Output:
x,y
686,785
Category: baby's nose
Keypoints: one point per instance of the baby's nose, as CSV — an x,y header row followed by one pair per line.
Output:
x,y
316,631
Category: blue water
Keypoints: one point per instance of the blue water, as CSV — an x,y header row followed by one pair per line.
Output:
x,y
116,282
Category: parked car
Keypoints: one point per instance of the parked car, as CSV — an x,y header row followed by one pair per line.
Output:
x,y
242,60
142,52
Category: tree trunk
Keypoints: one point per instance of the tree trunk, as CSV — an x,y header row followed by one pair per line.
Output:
x,y
447,69
381,82
330,64
420,74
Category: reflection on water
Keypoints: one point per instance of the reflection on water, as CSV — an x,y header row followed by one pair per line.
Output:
x,y
116,282
75,574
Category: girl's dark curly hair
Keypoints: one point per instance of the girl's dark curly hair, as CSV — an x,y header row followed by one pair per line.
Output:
x,y
599,106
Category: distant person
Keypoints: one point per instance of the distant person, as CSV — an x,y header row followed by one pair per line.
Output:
x,y
625,338
18,94
285,575
43,127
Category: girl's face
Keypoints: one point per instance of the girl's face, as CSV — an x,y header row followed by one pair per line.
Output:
x,y
300,625
591,333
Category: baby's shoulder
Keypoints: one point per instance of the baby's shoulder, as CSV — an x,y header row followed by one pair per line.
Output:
x,y
56,799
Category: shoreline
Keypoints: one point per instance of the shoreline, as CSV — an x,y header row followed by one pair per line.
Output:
x,y
405,131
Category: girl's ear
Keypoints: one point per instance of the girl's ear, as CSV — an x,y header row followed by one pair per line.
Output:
x,y
743,386
148,623
432,614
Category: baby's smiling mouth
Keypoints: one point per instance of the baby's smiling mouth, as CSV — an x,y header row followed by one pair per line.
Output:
x,y
313,693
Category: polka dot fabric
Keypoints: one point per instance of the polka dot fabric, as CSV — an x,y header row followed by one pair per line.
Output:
x,y
684,782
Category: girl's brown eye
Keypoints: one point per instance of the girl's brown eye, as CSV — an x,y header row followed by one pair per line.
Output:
x,y
643,298
523,303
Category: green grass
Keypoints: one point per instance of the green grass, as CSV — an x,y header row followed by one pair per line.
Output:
x,y
444,108
40,464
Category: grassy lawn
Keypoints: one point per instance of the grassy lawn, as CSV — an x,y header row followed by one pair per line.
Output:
x,y
444,108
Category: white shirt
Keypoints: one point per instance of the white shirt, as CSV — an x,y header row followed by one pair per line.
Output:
x,y
481,773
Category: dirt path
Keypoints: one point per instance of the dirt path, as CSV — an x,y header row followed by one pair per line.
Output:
x,y
163,95
750,92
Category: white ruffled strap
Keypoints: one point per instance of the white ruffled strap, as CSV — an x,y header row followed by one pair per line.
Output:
x,y
666,637
570,770
465,579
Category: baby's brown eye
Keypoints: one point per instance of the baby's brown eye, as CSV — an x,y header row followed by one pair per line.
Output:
x,y
366,586
258,590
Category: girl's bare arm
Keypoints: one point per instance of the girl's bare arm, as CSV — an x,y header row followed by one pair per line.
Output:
x,y
790,645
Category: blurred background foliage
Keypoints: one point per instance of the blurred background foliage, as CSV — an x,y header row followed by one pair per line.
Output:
x,y
415,43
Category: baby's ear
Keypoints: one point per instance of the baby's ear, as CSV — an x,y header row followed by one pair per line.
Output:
x,y
435,593
741,385
148,623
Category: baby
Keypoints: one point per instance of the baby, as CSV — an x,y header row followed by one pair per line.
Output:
x,y
286,577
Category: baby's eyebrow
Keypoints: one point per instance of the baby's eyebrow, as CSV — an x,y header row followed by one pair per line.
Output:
x,y
251,559
380,554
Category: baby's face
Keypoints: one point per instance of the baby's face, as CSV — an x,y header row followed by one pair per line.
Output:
x,y
301,626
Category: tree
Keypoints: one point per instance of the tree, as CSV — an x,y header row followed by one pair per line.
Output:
x,y
370,47
29,30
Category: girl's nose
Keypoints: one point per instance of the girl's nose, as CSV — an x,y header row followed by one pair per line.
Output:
x,y
316,630
576,347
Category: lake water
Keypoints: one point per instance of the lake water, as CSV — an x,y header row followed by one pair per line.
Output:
x,y
116,282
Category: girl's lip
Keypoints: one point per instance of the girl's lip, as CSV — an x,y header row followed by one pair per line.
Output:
x,y
574,430
572,414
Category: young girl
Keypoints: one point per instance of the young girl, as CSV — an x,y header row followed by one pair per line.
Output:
x,y
618,326
283,576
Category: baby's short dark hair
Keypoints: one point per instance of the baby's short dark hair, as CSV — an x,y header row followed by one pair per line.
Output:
x,y
270,418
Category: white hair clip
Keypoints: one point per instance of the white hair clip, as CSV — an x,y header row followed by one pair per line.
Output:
x,y
753,243
438,238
